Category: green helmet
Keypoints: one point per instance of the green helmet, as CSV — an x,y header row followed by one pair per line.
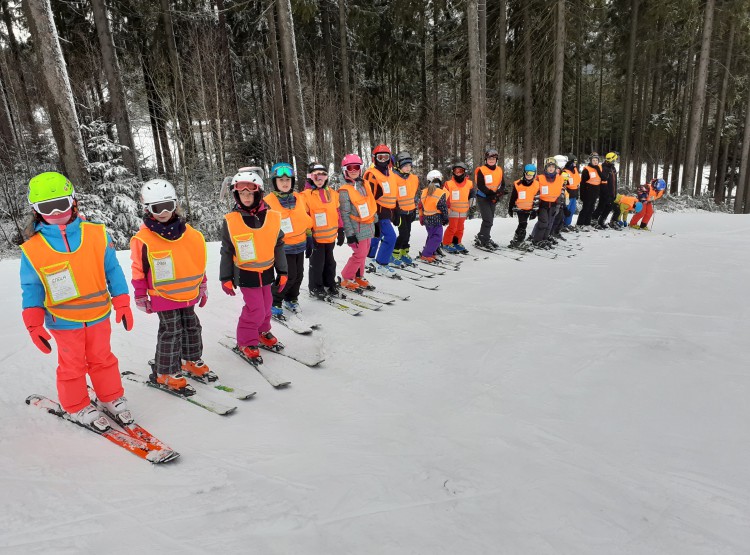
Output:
x,y
48,186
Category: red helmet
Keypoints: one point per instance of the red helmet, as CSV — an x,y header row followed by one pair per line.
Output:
x,y
381,149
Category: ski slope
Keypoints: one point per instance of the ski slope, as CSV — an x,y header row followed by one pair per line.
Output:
x,y
588,405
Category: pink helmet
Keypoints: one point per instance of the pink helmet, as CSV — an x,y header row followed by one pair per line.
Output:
x,y
349,160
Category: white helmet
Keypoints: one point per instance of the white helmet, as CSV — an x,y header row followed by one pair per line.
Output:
x,y
247,177
433,175
561,161
157,190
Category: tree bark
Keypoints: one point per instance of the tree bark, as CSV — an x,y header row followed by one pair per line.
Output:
x,y
741,196
699,99
278,97
482,31
117,97
21,91
475,79
291,73
336,120
721,105
7,137
558,84
502,69
230,97
60,95
528,105
628,109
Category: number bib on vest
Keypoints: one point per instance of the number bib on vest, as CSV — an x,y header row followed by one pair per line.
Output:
x,y
246,249
545,190
286,225
386,187
521,195
61,285
162,267
402,190
488,179
455,195
321,220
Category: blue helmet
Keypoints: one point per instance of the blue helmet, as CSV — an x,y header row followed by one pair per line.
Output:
x,y
529,168
660,185
638,207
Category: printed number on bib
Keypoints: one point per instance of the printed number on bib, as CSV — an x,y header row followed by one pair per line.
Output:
x,y
487,179
321,220
545,190
162,266
60,284
386,188
402,190
521,195
455,195
246,248
286,225
364,210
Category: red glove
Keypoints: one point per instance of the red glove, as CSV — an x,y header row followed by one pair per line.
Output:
x,y
228,288
121,304
33,318
142,302
281,282
203,291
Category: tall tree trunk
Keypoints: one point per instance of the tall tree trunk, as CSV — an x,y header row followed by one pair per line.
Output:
x,y
528,105
293,84
741,196
21,92
117,96
475,78
699,99
345,90
502,69
336,121
558,84
60,95
628,109
278,98
231,102
679,143
482,31
7,137
721,105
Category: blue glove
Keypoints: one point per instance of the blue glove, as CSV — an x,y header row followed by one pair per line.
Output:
x,y
309,244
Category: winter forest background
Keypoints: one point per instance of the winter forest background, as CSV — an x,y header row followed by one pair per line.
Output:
x,y
113,93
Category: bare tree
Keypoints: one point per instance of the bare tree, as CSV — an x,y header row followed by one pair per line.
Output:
x,y
559,73
627,121
475,78
740,198
345,87
59,94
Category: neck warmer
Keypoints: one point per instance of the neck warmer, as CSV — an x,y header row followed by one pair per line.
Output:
x,y
173,229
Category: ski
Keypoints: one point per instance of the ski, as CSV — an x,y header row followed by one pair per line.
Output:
x,y
368,293
212,380
294,323
188,394
500,252
268,374
335,303
136,430
387,294
424,286
280,349
438,268
129,443
372,268
544,254
361,303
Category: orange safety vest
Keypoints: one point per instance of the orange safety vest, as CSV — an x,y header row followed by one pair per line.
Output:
x,y
75,283
492,178
363,204
628,201
406,190
594,177
430,202
575,174
253,247
458,197
653,194
325,215
375,177
550,192
177,266
525,194
294,222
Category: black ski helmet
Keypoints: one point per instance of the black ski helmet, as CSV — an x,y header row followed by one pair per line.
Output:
x,y
403,158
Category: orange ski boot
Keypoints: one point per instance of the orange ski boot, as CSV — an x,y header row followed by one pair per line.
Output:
x,y
172,381
349,284
362,282
196,368
267,339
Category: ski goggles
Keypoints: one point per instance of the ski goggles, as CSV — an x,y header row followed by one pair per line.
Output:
x,y
319,174
48,207
283,171
353,167
246,186
163,206
383,157
530,175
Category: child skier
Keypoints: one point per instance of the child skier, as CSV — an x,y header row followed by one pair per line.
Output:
x,y
572,187
168,266
550,188
296,225
252,246
407,196
327,230
70,281
459,191
490,189
523,203
382,182
622,206
359,214
433,214
654,191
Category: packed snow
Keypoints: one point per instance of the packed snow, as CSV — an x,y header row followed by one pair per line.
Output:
x,y
596,404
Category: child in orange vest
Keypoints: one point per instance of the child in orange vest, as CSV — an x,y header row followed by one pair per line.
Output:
x,y
459,190
69,271
252,247
653,192
433,214
168,267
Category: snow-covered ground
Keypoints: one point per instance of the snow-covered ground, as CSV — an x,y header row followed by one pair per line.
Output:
x,y
588,405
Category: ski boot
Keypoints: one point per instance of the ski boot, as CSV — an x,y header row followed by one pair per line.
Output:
x,y
351,285
292,306
176,382
439,252
90,417
196,368
251,353
405,258
267,339
427,259
118,410
335,291
363,283
451,249
384,270
396,261
560,237
318,293
460,249
277,311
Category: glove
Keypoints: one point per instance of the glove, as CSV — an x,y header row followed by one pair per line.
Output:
x,y
203,294
309,244
228,287
511,213
142,302
340,237
532,216
445,221
352,240
121,304
280,282
377,229
33,319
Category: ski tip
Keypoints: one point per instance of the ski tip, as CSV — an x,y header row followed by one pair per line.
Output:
x,y
282,385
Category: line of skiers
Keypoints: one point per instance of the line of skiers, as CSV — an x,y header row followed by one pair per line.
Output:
x,y
71,279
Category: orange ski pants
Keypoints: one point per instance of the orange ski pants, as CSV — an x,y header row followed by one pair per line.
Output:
x,y
455,229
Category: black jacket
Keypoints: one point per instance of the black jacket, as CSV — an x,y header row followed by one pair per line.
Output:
x,y
609,180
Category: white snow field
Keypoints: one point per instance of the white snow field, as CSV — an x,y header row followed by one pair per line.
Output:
x,y
597,404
